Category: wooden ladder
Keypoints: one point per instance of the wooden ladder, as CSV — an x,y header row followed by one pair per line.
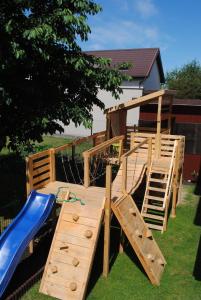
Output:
x,y
158,191
140,237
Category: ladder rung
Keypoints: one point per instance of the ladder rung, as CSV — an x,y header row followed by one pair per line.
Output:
x,y
159,171
158,180
151,188
154,207
153,226
155,217
161,199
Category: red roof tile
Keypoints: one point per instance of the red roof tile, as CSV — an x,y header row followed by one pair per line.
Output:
x,y
142,60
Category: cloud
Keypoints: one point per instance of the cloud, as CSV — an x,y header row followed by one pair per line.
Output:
x,y
146,8
122,34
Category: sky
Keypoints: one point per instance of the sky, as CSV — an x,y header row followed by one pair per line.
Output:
x,y
172,25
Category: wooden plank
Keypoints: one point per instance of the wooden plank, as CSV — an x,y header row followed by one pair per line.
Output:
x,y
107,220
154,207
81,220
41,184
152,216
42,162
154,226
161,199
139,101
41,177
43,169
40,155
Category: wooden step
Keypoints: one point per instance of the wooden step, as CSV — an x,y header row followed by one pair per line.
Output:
x,y
151,216
158,180
154,226
161,199
159,171
151,188
154,207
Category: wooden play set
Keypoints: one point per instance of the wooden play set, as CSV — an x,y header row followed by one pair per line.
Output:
x,y
141,153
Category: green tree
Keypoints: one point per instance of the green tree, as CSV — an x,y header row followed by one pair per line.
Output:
x,y
186,80
44,74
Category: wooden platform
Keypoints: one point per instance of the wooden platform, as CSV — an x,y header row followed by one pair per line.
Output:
x,y
92,196
71,255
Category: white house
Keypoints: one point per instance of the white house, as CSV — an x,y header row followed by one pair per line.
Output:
x,y
147,74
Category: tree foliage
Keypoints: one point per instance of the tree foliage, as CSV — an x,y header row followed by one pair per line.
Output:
x,y
44,74
186,80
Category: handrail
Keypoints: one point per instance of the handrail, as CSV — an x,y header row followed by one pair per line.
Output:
x,y
103,146
134,149
171,172
79,141
97,149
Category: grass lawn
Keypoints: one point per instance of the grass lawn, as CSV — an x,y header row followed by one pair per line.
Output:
x,y
181,244
181,279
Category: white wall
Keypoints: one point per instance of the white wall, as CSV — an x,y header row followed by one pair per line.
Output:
x,y
131,90
153,81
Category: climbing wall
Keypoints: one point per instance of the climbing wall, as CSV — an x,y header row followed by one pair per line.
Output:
x,y
140,237
71,255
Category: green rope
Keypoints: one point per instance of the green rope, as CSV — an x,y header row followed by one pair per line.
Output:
x,y
71,199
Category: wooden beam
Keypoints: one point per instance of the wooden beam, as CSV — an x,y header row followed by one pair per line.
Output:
x,y
107,220
139,101
86,171
52,165
158,130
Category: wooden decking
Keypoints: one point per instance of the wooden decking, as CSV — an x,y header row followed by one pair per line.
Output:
x,y
92,196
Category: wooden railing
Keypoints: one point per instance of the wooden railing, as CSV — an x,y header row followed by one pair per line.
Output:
x,y
40,167
124,159
98,149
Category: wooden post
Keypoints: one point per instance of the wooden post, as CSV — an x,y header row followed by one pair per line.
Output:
x,y
120,148
73,152
158,131
29,174
149,155
52,165
122,241
170,115
108,127
86,171
175,182
107,219
124,175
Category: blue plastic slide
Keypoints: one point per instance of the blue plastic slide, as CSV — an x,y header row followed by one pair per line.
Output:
x,y
20,232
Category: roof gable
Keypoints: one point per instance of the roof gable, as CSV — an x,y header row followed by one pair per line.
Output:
x,y
142,60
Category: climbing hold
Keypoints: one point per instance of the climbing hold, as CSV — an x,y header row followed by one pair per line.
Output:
x,y
75,262
148,233
88,234
65,248
161,262
138,233
54,269
150,257
73,286
75,217
132,211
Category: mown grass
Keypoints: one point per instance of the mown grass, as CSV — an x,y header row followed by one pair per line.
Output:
x,y
181,247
